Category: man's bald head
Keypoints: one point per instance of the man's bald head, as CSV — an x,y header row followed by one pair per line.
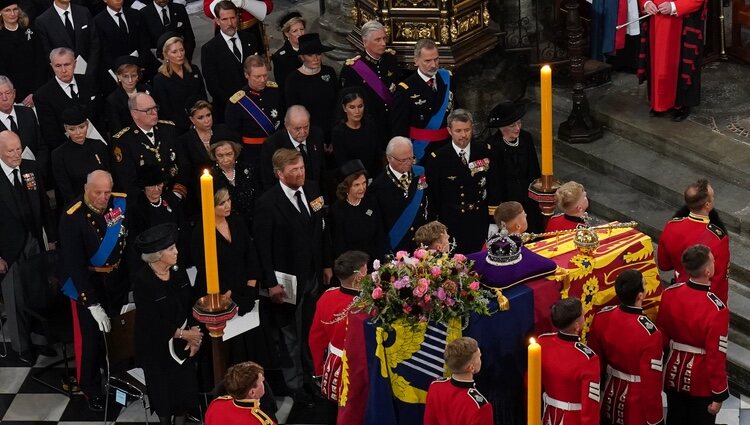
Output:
x,y
10,148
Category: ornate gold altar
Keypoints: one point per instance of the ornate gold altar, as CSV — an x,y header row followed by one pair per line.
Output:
x,y
459,27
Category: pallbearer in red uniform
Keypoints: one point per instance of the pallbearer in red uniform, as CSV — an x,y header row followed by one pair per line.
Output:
x,y
328,330
695,324
630,348
696,223
244,383
571,199
570,370
455,400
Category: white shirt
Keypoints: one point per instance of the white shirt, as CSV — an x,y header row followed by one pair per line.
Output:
x,y
425,78
113,14
296,143
61,13
158,11
290,193
467,150
395,173
230,43
145,132
65,86
5,120
9,172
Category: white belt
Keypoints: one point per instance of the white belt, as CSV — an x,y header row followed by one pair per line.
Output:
x,y
335,351
686,348
622,375
562,405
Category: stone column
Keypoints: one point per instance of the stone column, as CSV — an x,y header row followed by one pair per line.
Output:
x,y
335,24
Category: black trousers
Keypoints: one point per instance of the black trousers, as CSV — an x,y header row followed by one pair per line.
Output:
x,y
92,353
684,409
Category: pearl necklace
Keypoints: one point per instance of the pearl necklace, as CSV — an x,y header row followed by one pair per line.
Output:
x,y
234,173
513,143
310,71
156,204
359,201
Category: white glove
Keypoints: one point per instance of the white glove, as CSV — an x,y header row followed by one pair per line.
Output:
x,y
101,317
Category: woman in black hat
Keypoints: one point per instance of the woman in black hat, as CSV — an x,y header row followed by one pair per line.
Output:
x,y
355,136
285,60
355,218
21,51
166,335
516,159
129,74
77,157
178,84
314,85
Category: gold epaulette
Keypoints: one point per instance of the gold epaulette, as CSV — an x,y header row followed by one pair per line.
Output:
x,y
119,195
261,416
351,61
224,397
121,132
237,96
404,85
166,122
273,84
391,51
74,208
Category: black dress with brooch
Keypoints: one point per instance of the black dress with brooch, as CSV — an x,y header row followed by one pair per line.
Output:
x,y
175,96
318,93
162,308
285,61
358,228
243,190
23,60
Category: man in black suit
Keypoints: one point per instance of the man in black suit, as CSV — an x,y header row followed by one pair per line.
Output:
x,y
223,56
24,216
298,135
402,184
22,121
162,16
463,184
65,90
292,239
122,31
70,25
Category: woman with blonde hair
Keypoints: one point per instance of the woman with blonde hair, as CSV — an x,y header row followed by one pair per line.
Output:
x,y
572,201
285,60
178,84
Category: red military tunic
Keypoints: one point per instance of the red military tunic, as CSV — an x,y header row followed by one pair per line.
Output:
x,y
227,411
630,348
246,20
327,337
695,323
564,222
683,232
453,402
570,379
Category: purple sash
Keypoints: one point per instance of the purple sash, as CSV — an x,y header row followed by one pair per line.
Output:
x,y
372,80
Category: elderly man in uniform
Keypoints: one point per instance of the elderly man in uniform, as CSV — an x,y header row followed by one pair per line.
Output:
x,y
696,222
462,184
630,347
695,323
423,101
24,217
255,111
92,241
150,141
376,71
401,193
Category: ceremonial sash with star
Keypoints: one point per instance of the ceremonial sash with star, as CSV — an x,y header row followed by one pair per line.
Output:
x,y
254,111
372,80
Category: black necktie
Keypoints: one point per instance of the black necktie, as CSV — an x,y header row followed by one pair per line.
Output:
x,y
69,27
13,125
165,17
23,203
17,182
236,49
303,151
300,204
121,23
73,93
462,154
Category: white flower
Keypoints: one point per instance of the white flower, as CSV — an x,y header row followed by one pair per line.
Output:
x,y
376,265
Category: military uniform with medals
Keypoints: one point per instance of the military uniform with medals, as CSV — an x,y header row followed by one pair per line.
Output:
x,y
237,118
463,196
83,232
454,402
132,149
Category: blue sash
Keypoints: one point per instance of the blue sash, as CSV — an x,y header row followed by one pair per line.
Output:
x,y
257,114
405,220
105,248
437,120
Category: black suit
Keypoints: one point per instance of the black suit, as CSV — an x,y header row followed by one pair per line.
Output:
x,y
86,43
30,135
50,101
222,70
291,242
179,22
280,139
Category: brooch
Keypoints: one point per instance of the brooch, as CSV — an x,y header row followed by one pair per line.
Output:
x,y
325,78
368,213
28,33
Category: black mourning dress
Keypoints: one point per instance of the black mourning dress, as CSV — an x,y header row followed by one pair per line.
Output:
x,y
23,60
72,163
243,190
362,144
358,228
318,93
169,209
518,166
164,306
175,96
285,61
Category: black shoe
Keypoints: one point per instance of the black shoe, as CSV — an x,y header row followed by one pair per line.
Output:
x,y
653,113
680,114
28,356
96,404
304,399
45,350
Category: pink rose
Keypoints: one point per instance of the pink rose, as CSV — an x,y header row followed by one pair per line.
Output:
x,y
427,298
420,253
401,255
474,285
377,293
420,290
407,309
435,270
459,257
423,282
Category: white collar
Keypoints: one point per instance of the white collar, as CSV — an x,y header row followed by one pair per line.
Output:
x,y
61,12
425,77
144,131
467,150
113,13
8,171
227,37
296,144
160,8
395,173
64,85
12,113
289,192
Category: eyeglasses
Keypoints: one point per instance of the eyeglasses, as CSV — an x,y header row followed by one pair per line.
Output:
x,y
404,160
152,110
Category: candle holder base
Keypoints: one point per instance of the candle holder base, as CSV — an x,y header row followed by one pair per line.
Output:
x,y
214,311
542,191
